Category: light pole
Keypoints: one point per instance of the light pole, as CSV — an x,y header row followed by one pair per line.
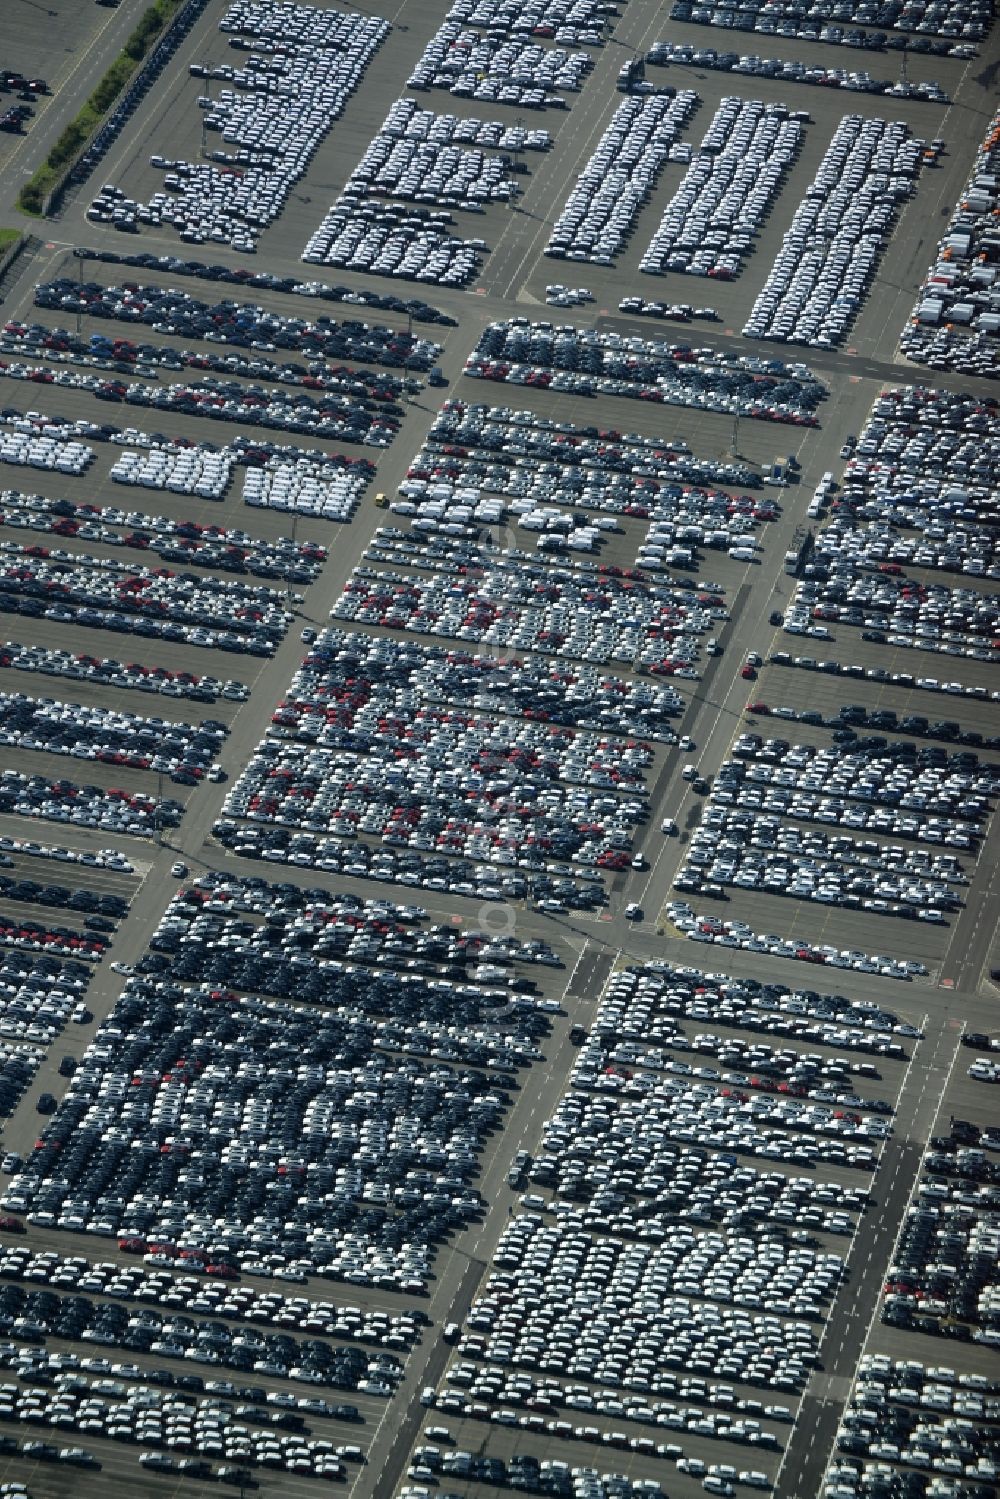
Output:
x,y
288,581
208,94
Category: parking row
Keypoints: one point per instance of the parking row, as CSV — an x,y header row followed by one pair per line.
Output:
x,y
944,1266
793,70
965,549
110,809
956,789
495,70
917,488
247,279
720,931
490,456
488,808
103,593
389,713
50,1314
410,170
182,751
863,856
180,470
250,451
18,888
42,992
112,859
578,697
557,295
857,715
80,667
41,935
382,933
188,1287
522,1471
869,487
19,1060
330,416
963,449
755,852
303,488
926,1422
158,1419
413,243
451,495
599,215
680,312
673,1191
590,363
631,1330
24,449
215,547
831,250
949,29
648,1004
942,1280
407,120
955,318
798,1074
709,225
575,22
276,116
277,1408
619,621
731,1118
556,887
894,609
121,355
432,547
449,548
245,325
503,431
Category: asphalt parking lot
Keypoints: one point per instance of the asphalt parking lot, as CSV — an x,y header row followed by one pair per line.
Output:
x,y
647,1200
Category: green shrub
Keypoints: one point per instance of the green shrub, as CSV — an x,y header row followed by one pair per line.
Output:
x,y
29,199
